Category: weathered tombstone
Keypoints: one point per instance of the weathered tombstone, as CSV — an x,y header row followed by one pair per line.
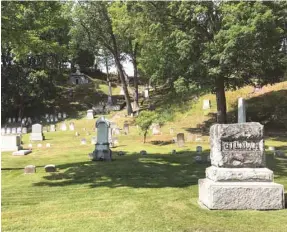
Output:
x,y
47,120
271,148
173,152
171,131
9,120
189,137
156,129
51,119
206,104
63,127
3,131
23,121
72,126
46,115
56,119
83,141
90,114
126,128
52,128
29,120
116,131
50,168
94,140
10,143
180,139
59,115
19,119
14,130
48,145
8,131
39,145
238,177
198,149
102,150
37,133
121,153
30,169
77,134
64,115
115,141
30,145
13,120
24,130
143,152
279,153
241,110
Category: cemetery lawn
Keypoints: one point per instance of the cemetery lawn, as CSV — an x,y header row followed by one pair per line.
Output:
x,y
157,192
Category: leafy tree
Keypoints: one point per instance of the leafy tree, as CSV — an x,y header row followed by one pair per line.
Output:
x,y
145,120
93,20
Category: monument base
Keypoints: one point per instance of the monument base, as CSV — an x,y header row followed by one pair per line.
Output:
x,y
104,155
14,148
241,195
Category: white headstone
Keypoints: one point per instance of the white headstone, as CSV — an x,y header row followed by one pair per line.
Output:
x,y
51,119
90,114
9,120
30,145
59,115
206,104
24,130
47,120
52,128
48,145
39,145
37,133
3,131
72,126
83,141
19,130
10,143
156,129
14,130
29,120
14,120
64,115
56,119
94,140
146,93
19,119
8,131
241,110
46,115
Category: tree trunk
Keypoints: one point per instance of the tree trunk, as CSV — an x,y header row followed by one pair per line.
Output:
x,y
220,101
110,100
124,85
145,133
136,93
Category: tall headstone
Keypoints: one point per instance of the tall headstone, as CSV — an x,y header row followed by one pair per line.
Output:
x,y
102,150
3,131
180,139
241,110
126,128
90,114
122,93
37,133
238,177
72,126
156,129
10,143
19,130
146,93
24,130
206,104
63,127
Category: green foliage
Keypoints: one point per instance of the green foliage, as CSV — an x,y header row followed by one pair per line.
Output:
x,y
145,119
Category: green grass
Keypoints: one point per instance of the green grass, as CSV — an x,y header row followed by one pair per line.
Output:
x,y
157,192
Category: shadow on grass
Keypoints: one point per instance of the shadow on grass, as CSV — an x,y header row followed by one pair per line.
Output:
x,y
150,171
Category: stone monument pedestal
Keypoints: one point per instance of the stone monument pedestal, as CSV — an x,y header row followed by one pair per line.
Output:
x,y
238,178
241,195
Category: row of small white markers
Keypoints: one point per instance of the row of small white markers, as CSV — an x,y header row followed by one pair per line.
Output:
x,y
39,145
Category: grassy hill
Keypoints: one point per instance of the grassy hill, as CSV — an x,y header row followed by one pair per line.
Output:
x,y
157,192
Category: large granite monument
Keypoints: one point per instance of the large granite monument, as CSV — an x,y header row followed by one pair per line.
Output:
x,y
238,177
102,149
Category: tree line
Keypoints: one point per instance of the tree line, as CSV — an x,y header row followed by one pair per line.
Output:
x,y
183,46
